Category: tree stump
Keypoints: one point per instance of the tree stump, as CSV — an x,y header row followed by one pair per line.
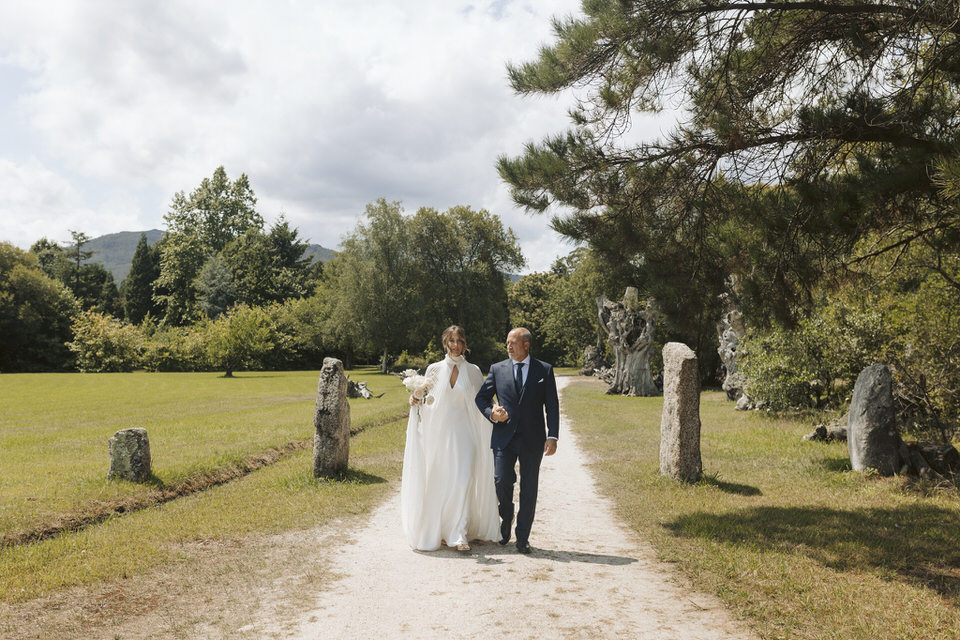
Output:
x,y
331,421
130,455
593,360
680,421
872,437
730,330
629,329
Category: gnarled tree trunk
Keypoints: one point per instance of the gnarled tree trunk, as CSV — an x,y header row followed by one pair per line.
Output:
x,y
629,330
730,331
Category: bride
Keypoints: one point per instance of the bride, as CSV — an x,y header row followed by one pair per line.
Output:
x,y
447,494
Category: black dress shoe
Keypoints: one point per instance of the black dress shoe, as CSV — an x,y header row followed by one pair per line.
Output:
x,y
504,540
523,546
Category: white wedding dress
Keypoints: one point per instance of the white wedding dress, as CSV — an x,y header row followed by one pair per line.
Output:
x,y
447,490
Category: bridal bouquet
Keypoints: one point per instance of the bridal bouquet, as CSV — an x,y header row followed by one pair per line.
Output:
x,y
419,386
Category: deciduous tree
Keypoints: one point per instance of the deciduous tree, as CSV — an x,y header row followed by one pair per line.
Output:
x,y
35,315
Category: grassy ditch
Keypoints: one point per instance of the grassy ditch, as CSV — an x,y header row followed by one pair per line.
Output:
x,y
203,432
780,529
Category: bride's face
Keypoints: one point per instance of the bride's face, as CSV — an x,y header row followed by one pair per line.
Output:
x,y
454,346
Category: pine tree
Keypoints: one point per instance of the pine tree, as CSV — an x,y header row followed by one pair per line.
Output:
x,y
138,286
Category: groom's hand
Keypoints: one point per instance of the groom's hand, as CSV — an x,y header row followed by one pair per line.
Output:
x,y
499,414
550,447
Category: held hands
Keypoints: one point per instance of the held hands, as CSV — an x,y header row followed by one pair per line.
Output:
x,y
499,414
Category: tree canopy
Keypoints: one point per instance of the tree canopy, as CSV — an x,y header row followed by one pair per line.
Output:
x,y
35,314
399,280
812,137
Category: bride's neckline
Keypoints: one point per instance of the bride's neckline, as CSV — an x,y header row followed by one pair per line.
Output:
x,y
454,360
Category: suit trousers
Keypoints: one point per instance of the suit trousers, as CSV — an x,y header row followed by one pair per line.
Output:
x,y
504,476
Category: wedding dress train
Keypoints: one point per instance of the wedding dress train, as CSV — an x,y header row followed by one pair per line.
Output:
x,y
447,490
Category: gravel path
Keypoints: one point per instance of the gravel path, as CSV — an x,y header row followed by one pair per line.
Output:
x,y
588,577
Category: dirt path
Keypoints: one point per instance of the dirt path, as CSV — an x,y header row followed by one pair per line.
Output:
x,y
588,577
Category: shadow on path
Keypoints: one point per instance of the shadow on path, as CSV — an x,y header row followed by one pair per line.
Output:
x,y
490,552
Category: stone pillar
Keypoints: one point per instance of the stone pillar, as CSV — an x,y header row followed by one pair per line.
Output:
x,y
331,421
680,421
130,455
872,437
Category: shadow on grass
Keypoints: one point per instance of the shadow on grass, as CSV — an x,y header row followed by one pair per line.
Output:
x,y
354,476
836,463
918,544
730,487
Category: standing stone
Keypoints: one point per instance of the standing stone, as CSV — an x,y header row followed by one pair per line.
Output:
x,y
130,455
331,420
680,421
872,437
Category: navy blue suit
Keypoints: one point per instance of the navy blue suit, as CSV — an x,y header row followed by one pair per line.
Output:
x,y
521,437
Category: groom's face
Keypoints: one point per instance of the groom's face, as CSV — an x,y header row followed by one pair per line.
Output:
x,y
517,348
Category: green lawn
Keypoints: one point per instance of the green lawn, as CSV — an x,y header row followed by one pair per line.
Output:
x,y
780,529
53,438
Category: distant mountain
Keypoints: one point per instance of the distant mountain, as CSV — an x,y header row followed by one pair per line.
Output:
x,y
115,250
318,253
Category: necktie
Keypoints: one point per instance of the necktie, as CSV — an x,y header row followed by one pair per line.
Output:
x,y
518,378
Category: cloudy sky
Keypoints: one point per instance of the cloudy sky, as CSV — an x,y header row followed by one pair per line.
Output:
x,y
108,108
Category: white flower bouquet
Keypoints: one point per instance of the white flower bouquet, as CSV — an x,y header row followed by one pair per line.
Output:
x,y
418,386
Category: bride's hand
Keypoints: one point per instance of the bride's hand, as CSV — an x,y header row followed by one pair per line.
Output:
x,y
414,401
499,414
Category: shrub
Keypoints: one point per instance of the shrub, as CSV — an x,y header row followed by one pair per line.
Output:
x,y
175,349
103,343
406,361
239,339
915,330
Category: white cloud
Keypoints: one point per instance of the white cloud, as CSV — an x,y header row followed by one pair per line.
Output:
x,y
37,202
325,105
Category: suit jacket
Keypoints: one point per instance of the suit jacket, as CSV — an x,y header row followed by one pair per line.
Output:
x,y
526,410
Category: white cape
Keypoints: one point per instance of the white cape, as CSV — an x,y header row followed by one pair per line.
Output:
x,y
447,490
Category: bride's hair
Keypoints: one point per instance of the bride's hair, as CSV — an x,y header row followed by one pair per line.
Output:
x,y
451,331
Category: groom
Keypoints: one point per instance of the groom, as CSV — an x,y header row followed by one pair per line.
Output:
x,y
526,389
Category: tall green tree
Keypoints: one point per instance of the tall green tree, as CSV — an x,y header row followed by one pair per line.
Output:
x,y
181,258
199,226
249,259
78,256
215,286
90,282
398,281
53,260
806,127
462,256
137,287
294,276
215,212
527,299
36,312
374,298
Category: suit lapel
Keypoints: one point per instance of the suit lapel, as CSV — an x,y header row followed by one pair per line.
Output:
x,y
511,389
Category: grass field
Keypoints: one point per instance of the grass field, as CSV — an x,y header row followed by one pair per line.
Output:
x,y
780,529
53,438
